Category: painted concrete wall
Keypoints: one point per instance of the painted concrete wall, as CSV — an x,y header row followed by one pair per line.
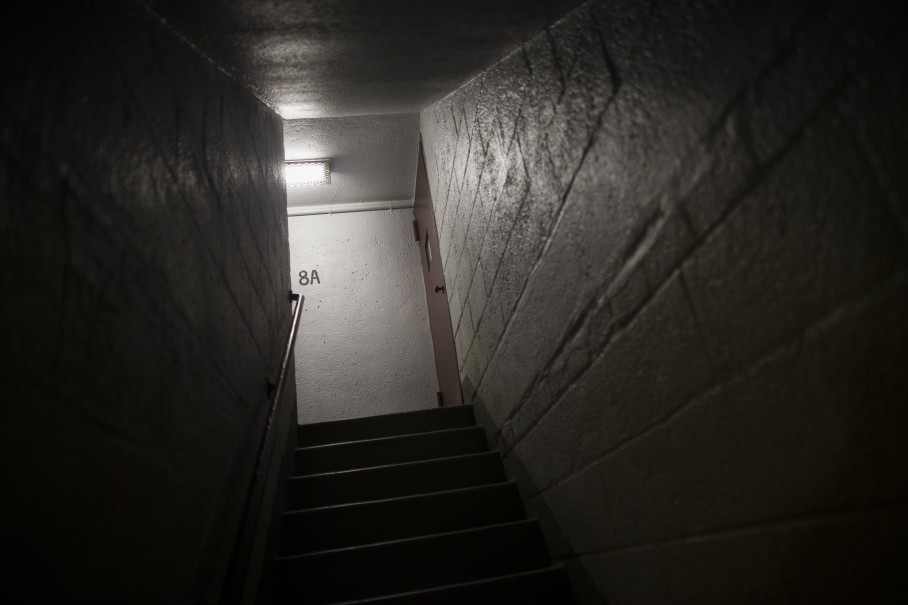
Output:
x,y
143,239
373,159
364,346
674,238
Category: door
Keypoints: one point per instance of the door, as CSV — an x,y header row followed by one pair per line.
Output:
x,y
436,297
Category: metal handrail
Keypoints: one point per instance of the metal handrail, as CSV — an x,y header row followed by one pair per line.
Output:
x,y
278,388
235,581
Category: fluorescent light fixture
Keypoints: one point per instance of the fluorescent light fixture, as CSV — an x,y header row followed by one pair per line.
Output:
x,y
307,172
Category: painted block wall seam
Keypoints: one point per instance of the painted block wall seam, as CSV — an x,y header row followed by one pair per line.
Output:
x,y
642,298
763,121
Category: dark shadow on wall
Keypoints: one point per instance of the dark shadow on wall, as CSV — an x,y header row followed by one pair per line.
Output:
x,y
143,235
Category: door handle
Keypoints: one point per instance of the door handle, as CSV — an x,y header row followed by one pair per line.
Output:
x,y
439,289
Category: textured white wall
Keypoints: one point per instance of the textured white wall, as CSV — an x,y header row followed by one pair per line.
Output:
x,y
364,346
373,158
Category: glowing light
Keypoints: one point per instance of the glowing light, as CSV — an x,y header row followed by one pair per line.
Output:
x,y
309,172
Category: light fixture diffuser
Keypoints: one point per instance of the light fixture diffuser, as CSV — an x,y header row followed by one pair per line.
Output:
x,y
307,172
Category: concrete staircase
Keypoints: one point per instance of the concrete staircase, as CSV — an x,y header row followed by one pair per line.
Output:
x,y
408,508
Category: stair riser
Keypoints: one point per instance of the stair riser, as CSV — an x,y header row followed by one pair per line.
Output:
x,y
338,527
414,564
394,481
374,427
409,448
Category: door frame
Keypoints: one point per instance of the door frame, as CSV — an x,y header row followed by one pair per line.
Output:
x,y
426,234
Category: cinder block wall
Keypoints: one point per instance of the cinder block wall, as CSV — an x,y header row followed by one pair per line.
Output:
x,y
674,239
143,236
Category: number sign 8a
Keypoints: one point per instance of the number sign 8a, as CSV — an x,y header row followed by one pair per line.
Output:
x,y
310,277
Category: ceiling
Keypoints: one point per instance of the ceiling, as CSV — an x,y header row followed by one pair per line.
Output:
x,y
324,58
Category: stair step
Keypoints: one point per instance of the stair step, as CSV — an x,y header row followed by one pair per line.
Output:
x,y
406,517
412,564
389,450
372,427
394,480
538,587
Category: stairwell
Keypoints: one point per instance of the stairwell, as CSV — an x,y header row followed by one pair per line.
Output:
x,y
408,508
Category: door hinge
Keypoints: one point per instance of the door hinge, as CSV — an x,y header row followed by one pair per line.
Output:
x,y
416,230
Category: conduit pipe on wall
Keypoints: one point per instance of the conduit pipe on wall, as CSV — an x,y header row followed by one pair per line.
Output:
x,y
348,207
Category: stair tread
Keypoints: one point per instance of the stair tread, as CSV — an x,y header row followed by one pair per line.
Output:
x,y
360,523
473,590
418,563
395,465
396,498
428,537
387,438
392,480
400,423
366,453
